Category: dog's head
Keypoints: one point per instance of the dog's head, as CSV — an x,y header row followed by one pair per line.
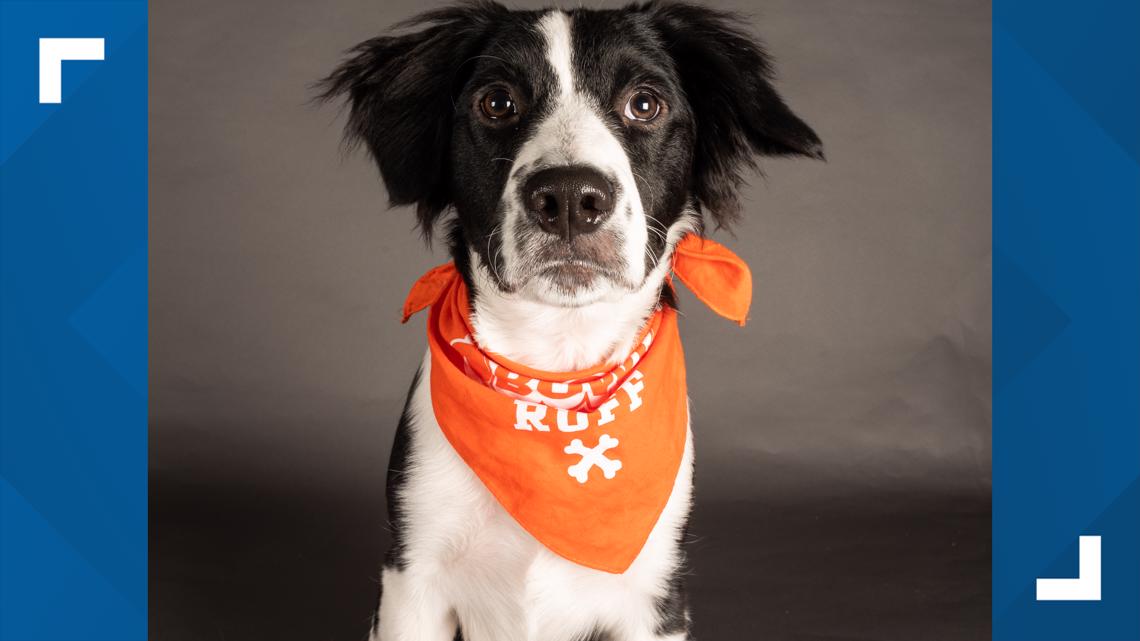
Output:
x,y
572,146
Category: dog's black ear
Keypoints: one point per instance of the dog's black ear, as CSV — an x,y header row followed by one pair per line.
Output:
x,y
727,78
400,88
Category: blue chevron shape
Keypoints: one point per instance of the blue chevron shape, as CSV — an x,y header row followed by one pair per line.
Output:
x,y
1041,320
62,595
1085,50
114,317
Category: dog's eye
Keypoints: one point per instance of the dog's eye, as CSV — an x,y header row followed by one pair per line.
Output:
x,y
642,106
498,104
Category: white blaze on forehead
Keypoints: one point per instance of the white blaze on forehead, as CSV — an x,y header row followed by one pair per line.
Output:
x,y
574,132
555,28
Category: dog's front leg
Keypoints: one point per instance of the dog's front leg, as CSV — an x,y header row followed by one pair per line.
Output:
x,y
412,609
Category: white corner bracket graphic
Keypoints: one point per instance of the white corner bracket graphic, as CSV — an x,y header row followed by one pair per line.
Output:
x,y
1086,587
53,51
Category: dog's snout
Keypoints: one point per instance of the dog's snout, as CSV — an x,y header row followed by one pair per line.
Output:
x,y
568,201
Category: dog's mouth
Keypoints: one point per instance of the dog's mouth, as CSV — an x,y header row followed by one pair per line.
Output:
x,y
573,274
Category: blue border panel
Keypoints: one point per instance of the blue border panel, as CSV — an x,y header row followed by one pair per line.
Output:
x,y
1066,314
73,197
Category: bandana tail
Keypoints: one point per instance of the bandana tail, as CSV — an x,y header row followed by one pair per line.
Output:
x,y
717,277
428,289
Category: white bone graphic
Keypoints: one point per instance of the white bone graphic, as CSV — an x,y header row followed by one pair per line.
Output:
x,y
592,457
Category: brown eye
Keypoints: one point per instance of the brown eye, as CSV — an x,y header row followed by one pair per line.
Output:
x,y
642,107
497,104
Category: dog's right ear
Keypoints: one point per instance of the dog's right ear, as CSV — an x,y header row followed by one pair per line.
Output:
x,y
399,88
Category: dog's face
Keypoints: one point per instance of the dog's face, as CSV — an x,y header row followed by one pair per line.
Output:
x,y
569,144
570,149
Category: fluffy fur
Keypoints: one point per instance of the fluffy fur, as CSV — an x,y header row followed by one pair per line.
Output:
x,y
459,563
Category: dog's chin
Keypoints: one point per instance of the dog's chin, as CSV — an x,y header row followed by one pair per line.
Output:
x,y
575,284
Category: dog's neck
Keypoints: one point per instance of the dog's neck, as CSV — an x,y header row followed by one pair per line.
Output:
x,y
560,339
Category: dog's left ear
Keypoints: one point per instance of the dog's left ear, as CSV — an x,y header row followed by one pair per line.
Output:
x,y
727,79
400,89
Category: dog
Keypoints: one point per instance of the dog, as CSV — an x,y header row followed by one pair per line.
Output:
x,y
567,153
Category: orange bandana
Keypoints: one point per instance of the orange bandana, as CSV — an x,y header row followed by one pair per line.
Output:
x,y
584,461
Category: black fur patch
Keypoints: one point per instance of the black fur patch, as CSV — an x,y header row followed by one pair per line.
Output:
x,y
397,464
673,607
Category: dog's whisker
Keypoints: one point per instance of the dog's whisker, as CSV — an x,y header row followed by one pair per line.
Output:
x,y
659,234
656,232
492,256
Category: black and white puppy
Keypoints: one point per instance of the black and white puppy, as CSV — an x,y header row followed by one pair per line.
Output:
x,y
572,150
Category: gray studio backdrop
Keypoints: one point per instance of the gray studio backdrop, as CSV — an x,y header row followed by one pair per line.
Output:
x,y
277,272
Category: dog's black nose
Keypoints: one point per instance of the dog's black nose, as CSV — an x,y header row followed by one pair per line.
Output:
x,y
568,201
